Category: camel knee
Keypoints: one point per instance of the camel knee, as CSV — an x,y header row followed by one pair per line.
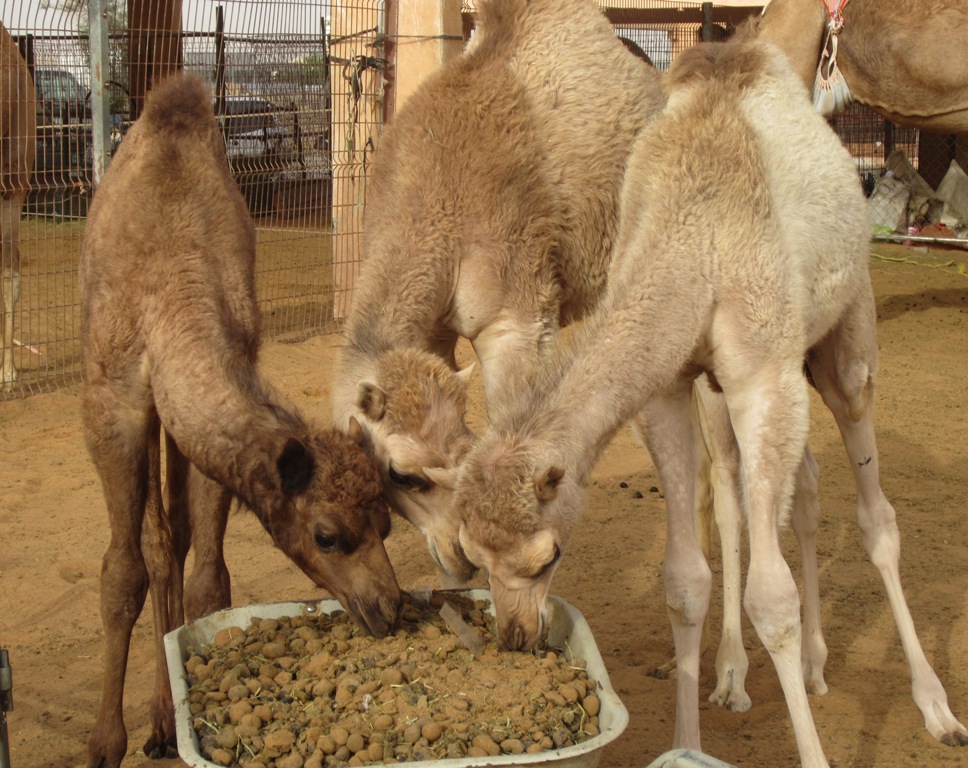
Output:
x,y
124,587
687,592
773,605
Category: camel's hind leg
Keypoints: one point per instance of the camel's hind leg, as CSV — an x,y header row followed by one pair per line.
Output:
x,y
119,448
843,367
156,547
716,431
806,520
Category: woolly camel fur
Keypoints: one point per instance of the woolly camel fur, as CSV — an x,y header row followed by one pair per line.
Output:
x,y
490,216
742,252
904,60
18,146
170,342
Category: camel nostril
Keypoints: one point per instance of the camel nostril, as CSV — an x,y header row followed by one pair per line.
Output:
x,y
390,609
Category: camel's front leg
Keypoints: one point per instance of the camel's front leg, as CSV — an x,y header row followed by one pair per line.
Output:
x,y
118,449
843,368
768,409
156,547
685,572
209,587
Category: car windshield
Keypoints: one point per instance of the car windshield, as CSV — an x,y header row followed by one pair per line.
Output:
x,y
59,86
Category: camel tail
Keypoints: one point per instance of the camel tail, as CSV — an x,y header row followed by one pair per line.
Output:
x,y
179,103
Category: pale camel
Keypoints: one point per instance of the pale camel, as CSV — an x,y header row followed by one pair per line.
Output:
x,y
18,146
742,252
490,216
904,60
170,341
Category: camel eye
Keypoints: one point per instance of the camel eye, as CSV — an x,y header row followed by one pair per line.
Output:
x,y
554,559
408,482
326,541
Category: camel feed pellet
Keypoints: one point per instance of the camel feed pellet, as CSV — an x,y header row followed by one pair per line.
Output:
x,y
315,690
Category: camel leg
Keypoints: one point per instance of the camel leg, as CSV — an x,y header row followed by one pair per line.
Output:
x,y
177,469
119,451
703,518
768,410
669,436
209,587
732,663
10,277
806,519
156,547
843,367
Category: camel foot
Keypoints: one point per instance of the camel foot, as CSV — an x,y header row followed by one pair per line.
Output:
x,y
956,739
106,748
735,701
160,747
664,671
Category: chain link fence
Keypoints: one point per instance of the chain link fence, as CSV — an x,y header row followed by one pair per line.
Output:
x,y
297,86
293,87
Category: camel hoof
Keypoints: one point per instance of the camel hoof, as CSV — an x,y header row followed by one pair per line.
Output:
x,y
160,748
663,672
956,739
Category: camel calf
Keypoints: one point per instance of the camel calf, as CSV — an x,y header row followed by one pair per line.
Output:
x,y
742,252
18,147
490,216
170,341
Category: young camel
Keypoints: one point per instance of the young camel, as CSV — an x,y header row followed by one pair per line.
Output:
x,y
18,146
491,216
742,252
170,329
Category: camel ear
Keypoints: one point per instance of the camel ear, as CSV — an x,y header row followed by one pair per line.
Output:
x,y
445,478
295,467
465,374
371,400
354,431
546,483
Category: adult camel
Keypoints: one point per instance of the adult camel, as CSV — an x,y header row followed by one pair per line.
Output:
x,y
902,59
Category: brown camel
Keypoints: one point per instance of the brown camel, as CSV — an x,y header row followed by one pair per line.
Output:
x,y
742,252
490,216
170,332
904,60
18,145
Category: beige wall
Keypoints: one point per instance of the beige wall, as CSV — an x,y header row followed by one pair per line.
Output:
x,y
429,34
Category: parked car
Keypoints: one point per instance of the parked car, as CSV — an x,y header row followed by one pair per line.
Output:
x,y
259,144
62,175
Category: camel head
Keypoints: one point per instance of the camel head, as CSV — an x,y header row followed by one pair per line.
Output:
x,y
517,508
411,408
332,524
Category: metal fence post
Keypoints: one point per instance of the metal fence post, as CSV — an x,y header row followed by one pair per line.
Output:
x,y
6,704
100,48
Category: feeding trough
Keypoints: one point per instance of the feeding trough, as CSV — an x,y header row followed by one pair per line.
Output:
x,y
568,630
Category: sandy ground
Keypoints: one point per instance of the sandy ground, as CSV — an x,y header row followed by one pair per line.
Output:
x,y
53,532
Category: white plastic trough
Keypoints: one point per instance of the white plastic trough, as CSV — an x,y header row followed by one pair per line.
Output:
x,y
567,629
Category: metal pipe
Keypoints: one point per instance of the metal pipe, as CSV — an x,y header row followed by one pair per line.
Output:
x,y
6,704
100,50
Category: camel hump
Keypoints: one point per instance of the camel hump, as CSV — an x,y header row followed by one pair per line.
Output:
x,y
179,103
499,19
740,64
